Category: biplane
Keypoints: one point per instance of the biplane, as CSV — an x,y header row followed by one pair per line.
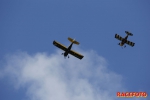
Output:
x,y
68,50
124,40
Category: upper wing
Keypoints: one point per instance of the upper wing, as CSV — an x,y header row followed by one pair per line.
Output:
x,y
118,37
130,43
57,44
76,54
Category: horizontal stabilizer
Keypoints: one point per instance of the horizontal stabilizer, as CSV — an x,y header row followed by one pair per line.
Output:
x,y
128,33
73,41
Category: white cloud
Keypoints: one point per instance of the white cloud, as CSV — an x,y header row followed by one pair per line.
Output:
x,y
51,77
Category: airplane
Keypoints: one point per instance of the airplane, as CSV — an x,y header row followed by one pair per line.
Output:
x,y
124,40
68,50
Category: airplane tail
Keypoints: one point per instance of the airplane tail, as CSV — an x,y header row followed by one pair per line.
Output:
x,y
128,33
73,41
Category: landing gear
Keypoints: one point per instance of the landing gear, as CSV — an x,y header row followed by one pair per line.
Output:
x,y
65,55
124,46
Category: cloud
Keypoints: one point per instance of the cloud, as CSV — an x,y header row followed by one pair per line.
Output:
x,y
51,77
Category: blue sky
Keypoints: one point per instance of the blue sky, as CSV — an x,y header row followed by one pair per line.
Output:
x,y
31,26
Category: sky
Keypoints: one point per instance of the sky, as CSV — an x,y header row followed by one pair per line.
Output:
x,y
32,68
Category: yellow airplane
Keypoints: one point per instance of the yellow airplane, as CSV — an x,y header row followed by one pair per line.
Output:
x,y
124,40
68,50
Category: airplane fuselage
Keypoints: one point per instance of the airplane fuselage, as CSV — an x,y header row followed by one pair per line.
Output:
x,y
68,50
124,41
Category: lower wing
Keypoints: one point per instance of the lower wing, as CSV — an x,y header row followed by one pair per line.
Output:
x,y
118,37
130,43
76,54
57,44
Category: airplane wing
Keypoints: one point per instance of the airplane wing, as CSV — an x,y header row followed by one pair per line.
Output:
x,y
76,54
57,44
118,37
130,43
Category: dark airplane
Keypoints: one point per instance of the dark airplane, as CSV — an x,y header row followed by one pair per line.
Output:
x,y
68,50
124,40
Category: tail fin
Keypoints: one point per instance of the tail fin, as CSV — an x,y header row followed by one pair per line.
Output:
x,y
73,41
128,33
